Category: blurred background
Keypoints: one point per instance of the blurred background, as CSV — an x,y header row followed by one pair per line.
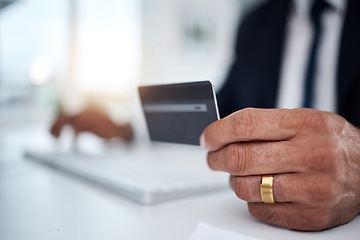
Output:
x,y
75,53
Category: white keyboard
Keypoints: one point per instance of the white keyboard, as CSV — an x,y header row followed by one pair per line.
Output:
x,y
145,176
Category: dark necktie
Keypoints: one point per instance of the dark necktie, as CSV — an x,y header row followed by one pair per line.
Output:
x,y
317,9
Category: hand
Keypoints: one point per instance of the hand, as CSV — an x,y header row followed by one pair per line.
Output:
x,y
314,156
92,121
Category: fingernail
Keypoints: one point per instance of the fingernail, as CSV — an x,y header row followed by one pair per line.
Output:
x,y
202,142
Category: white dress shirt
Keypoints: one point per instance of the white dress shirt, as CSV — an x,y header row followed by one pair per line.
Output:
x,y
296,53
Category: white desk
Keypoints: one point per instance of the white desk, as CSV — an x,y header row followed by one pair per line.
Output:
x,y
40,203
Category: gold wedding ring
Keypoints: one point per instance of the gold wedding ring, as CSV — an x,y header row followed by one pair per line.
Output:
x,y
266,188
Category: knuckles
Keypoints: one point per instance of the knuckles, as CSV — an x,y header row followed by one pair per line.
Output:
x,y
321,192
237,159
234,158
321,158
317,119
244,123
319,122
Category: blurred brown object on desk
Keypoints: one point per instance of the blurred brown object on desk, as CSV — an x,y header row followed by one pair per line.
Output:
x,y
94,121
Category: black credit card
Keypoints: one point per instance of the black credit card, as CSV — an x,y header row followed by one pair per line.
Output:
x,y
178,113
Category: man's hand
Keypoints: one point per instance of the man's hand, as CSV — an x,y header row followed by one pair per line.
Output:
x,y
93,121
314,156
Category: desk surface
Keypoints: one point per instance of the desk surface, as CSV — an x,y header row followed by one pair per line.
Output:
x,y
41,203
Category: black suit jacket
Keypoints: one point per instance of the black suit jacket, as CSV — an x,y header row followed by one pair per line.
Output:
x,y
253,80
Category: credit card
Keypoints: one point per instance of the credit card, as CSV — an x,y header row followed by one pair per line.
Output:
x,y
178,113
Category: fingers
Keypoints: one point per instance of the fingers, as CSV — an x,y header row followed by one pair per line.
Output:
x,y
58,125
294,216
290,187
63,119
251,125
300,201
257,158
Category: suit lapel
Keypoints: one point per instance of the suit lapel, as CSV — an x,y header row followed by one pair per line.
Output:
x,y
349,61
260,49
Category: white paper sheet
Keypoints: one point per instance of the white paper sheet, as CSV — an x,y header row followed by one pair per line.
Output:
x,y
204,231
